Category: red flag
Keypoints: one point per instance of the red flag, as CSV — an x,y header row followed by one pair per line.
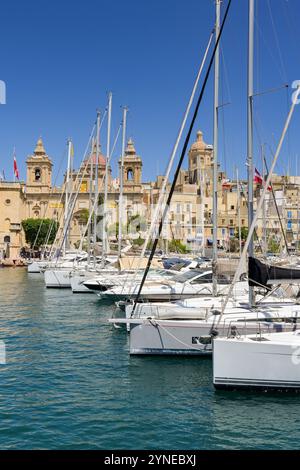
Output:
x,y
258,179
16,171
226,183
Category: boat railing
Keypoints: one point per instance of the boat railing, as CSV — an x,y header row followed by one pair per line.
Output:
x,y
260,328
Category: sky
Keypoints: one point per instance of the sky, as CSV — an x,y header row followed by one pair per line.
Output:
x,y
60,59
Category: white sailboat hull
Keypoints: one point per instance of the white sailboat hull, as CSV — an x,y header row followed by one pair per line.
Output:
x,y
248,362
189,337
167,292
36,267
77,285
58,278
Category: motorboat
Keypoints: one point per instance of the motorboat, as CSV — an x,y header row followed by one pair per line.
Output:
x,y
193,283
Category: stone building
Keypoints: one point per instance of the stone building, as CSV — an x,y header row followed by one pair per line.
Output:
x,y
37,198
190,215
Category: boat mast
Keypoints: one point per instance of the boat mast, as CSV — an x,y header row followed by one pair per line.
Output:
x,y
121,180
96,166
239,209
106,179
202,185
250,133
67,195
90,200
186,142
215,144
264,204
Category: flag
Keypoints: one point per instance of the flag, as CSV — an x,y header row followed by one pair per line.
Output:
x,y
226,183
72,149
16,171
258,179
3,174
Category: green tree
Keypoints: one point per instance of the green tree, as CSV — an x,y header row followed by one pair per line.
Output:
x,y
244,233
82,216
36,231
178,247
273,245
136,223
138,241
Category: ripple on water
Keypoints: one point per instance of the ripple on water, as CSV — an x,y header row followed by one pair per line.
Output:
x,y
69,383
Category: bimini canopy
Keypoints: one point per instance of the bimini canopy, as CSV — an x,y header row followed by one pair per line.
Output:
x,y
263,274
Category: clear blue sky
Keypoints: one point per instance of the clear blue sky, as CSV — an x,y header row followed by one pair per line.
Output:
x,y
60,58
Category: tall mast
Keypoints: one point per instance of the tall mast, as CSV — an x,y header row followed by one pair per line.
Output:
x,y
239,209
201,182
90,200
96,165
186,142
67,195
250,132
264,220
121,180
215,143
106,177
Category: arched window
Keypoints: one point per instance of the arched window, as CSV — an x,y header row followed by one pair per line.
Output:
x,y
37,174
7,239
129,174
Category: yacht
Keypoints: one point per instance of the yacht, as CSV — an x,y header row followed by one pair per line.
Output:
x,y
261,361
193,283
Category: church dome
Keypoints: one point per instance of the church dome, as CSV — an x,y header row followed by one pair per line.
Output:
x,y
101,159
199,145
93,157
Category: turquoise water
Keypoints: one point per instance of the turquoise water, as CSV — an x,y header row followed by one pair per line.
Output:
x,y
69,383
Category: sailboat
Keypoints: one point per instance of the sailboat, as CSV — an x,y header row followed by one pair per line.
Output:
x,y
61,273
79,277
264,360
161,335
191,284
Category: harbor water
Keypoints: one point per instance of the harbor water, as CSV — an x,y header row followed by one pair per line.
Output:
x,y
69,383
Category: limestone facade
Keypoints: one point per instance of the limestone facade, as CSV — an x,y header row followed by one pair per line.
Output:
x,y
190,214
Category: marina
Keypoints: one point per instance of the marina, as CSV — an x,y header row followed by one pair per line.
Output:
x,y
189,337
93,395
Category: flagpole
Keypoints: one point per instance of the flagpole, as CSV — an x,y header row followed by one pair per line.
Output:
x,y
14,158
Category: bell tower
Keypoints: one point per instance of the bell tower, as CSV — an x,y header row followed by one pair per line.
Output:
x,y
200,160
132,170
39,169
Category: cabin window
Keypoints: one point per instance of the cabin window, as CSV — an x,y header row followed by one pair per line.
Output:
x,y
37,174
202,279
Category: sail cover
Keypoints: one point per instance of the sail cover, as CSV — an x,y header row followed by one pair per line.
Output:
x,y
263,274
